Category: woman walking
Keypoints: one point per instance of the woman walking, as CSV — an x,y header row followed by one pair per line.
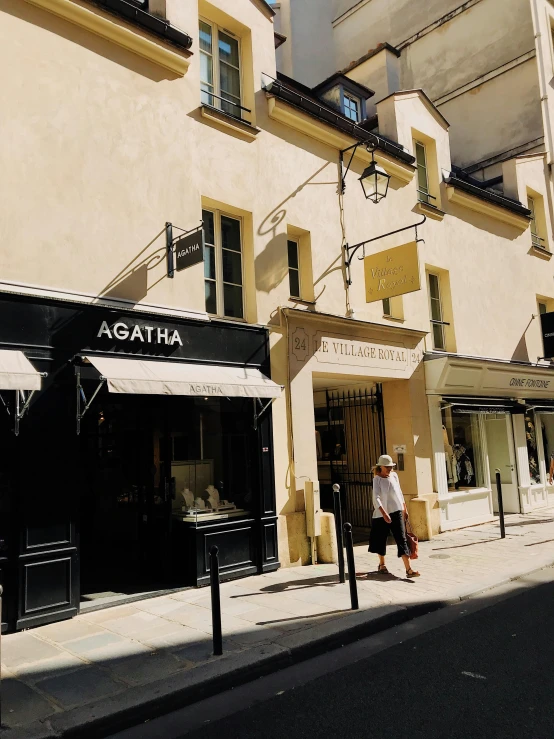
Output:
x,y
389,515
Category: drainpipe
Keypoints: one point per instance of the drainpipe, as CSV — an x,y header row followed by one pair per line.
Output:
x,y
543,85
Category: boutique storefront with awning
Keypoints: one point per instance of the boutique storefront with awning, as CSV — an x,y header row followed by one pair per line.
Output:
x,y
131,443
488,415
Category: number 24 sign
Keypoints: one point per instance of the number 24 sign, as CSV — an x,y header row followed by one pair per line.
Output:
x,y
300,344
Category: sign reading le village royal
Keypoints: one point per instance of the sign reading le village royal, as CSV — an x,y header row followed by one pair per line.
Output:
x,y
392,272
336,350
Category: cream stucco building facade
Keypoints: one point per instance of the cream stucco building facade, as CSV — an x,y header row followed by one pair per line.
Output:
x,y
127,116
485,67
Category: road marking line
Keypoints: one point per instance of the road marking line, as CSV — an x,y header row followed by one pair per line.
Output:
x,y
475,675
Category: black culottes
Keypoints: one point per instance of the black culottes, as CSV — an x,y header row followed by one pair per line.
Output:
x,y
380,531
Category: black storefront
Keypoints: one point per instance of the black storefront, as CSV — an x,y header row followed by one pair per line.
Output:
x,y
119,481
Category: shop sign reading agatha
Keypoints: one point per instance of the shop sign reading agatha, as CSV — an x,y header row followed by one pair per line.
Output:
x,y
392,272
143,334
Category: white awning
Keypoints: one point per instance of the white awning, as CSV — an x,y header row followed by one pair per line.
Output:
x,y
138,376
469,376
16,372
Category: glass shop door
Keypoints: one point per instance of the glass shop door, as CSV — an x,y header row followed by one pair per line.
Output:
x,y
116,474
501,456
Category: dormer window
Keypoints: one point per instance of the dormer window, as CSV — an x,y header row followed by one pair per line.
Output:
x,y
351,107
345,96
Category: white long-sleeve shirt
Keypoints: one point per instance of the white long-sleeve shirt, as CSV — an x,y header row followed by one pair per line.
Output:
x,y
387,494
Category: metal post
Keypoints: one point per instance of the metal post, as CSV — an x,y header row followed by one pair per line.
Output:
x,y
0,655
216,601
338,528
169,249
500,505
351,566
17,414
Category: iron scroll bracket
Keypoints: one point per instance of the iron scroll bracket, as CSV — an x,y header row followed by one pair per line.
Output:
x,y
351,250
170,243
368,144
82,403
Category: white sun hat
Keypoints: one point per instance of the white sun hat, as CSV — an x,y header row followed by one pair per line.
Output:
x,y
385,461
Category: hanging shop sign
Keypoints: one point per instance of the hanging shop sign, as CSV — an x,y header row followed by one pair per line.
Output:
x,y
547,327
189,250
185,250
392,272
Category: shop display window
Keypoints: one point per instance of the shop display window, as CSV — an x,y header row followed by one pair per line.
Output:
x,y
532,447
212,460
545,430
197,453
463,448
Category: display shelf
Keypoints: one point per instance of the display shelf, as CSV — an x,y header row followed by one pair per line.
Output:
x,y
213,516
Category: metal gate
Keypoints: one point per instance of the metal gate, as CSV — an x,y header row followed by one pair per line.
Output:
x,y
356,424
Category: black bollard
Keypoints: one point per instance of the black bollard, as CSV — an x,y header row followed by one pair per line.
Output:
x,y
351,566
216,601
500,505
338,528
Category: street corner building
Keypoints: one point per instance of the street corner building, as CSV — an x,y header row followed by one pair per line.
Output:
x,y
234,273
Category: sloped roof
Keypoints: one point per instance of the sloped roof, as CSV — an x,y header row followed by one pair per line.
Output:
x,y
265,7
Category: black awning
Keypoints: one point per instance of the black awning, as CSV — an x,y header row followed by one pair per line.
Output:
x,y
460,404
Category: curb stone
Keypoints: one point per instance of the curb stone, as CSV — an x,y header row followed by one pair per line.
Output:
x,y
102,718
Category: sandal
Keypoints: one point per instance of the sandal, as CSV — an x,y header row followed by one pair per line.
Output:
x,y
383,569
412,573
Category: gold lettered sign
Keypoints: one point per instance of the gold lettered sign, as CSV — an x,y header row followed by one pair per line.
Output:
x,y
392,272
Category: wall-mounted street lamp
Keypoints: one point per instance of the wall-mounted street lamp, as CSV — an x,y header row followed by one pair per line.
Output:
x,y
375,182
374,179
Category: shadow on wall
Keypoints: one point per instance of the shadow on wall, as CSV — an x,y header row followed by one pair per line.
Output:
x,y
521,353
86,39
278,214
197,116
132,282
271,264
483,222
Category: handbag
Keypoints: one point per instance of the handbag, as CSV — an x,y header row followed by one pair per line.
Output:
x,y
413,541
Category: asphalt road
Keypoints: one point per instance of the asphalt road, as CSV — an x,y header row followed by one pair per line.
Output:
x,y
468,671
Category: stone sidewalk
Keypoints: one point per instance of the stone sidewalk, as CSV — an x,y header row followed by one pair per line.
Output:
x,y
107,669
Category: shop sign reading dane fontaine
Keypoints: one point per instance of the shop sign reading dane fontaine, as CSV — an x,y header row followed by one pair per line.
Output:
x,y
392,272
